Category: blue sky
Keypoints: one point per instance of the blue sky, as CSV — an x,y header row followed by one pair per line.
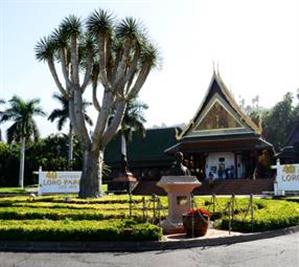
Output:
x,y
255,43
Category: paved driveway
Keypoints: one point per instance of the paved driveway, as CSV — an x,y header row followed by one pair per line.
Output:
x,y
280,251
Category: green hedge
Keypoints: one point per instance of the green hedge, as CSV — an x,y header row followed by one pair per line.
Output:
x,y
21,213
271,215
106,230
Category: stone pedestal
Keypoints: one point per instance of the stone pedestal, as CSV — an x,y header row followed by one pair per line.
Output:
x,y
179,189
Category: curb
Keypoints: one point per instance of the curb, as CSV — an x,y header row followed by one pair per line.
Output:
x,y
138,246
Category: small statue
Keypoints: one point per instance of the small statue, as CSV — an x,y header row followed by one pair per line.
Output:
x,y
178,168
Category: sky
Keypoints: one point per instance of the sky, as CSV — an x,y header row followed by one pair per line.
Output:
x,y
253,43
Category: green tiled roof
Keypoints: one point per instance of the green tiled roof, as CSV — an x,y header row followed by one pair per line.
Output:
x,y
143,151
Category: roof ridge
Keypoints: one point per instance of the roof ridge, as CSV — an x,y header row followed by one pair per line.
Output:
x,y
228,94
216,77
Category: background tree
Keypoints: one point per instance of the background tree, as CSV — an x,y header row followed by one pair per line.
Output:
x,y
278,122
133,121
116,55
24,126
1,113
62,115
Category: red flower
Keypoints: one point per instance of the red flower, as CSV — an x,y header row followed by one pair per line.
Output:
x,y
199,211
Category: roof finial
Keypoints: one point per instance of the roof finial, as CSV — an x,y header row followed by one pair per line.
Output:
x,y
214,70
218,73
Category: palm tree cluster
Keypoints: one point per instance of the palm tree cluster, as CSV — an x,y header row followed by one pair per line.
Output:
x,y
98,51
24,126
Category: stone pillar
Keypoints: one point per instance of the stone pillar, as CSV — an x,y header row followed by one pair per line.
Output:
x,y
179,189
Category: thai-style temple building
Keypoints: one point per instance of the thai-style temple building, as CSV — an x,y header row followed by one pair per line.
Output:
x,y
221,141
221,144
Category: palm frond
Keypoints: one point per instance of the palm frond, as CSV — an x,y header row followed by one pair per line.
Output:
x,y
61,122
45,49
71,25
128,28
150,55
57,114
13,133
88,119
60,38
100,21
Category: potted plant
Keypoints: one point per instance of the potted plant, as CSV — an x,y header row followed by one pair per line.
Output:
x,y
196,222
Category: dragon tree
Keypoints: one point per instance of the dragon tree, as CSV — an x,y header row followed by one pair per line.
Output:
x,y
113,60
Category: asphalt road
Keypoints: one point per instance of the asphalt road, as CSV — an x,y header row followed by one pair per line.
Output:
x,y
280,251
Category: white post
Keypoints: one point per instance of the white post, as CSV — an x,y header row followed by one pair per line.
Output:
x,y
40,169
22,163
278,176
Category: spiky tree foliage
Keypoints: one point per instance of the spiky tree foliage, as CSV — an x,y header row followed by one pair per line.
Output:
x,y
24,127
133,121
99,51
62,115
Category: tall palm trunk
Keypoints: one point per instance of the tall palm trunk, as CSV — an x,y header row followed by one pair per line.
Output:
x,y
71,145
22,162
124,145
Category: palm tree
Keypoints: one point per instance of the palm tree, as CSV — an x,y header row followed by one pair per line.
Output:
x,y
21,112
133,121
62,115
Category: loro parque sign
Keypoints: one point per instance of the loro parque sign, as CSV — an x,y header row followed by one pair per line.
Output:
x,y
287,178
58,182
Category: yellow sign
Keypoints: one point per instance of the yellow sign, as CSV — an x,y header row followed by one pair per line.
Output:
x,y
51,175
290,169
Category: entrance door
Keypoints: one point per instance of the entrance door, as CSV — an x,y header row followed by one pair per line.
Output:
x,y
220,165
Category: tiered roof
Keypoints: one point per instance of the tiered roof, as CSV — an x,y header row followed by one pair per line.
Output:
x,y
219,118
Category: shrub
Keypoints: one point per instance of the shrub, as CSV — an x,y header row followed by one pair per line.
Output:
x,y
271,215
107,230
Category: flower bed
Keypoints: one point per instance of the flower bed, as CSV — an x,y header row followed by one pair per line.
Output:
x,y
196,222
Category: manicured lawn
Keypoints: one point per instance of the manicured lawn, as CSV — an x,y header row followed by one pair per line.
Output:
x,y
33,188
12,190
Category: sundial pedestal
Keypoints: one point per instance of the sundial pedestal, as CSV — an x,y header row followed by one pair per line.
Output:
x,y
179,189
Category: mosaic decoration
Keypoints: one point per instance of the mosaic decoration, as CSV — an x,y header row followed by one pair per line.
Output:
x,y
218,118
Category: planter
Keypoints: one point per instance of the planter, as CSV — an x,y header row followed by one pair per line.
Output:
x,y
200,225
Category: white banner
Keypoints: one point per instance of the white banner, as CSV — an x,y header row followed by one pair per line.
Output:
x,y
287,177
58,182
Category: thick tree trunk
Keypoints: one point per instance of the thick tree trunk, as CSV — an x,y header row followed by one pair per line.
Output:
x,y
22,163
70,152
91,174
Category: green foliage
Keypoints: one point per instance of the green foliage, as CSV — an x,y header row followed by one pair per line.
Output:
x,y
278,122
105,230
21,112
268,215
9,164
50,153
107,218
58,218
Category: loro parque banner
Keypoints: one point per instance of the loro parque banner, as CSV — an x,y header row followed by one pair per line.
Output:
x,y
287,178
58,182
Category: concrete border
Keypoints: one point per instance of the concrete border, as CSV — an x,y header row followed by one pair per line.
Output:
x,y
122,246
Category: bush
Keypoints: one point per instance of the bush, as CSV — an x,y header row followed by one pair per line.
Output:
x,y
271,215
106,230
